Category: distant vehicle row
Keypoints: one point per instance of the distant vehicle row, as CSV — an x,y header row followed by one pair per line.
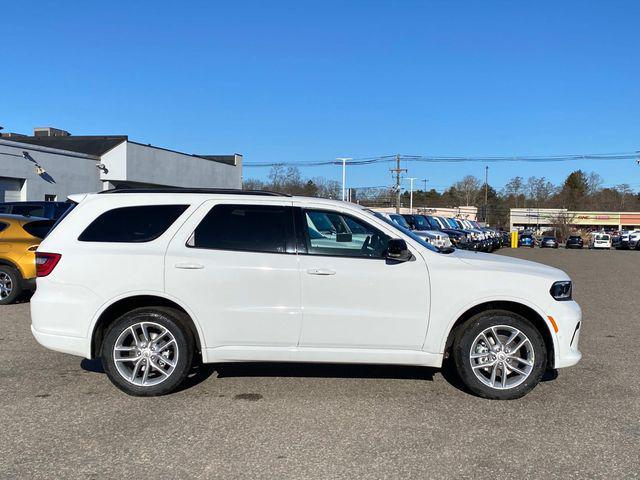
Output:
x,y
444,232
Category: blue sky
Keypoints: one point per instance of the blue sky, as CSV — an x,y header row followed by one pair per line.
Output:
x,y
307,81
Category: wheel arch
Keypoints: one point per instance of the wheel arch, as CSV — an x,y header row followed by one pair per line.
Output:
x,y
528,312
120,306
8,263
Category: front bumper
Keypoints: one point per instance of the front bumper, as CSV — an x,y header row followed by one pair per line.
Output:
x,y
568,318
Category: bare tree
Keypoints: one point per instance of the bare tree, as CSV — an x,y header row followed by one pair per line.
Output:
x,y
562,222
468,189
594,183
539,190
514,188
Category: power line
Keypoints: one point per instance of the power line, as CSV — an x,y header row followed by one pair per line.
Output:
x,y
459,159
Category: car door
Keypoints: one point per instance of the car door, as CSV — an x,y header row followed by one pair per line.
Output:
x,y
234,264
353,297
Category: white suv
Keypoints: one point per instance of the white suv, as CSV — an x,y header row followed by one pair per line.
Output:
x,y
151,281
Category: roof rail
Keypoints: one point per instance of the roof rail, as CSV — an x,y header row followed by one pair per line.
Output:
x,y
220,191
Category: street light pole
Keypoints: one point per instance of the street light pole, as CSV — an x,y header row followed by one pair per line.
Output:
x,y
486,191
411,179
344,176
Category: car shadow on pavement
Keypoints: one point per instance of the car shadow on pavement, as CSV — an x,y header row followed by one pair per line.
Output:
x,y
323,370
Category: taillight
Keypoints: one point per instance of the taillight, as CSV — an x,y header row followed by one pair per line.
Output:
x,y
46,262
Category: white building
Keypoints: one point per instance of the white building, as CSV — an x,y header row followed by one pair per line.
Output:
x,y
52,164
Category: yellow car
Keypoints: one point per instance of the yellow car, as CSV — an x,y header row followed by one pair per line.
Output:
x,y
19,239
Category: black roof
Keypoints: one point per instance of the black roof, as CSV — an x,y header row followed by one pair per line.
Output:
x,y
220,191
87,144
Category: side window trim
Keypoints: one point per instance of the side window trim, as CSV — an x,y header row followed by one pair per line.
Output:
x,y
306,240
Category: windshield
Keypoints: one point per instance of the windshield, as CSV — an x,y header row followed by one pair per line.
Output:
x,y
399,219
453,223
433,222
421,222
407,232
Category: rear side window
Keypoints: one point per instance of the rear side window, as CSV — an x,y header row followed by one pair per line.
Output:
x,y
28,210
250,228
3,226
132,224
39,228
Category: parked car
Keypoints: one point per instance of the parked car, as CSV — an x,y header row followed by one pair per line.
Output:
x,y
634,240
151,281
505,238
574,241
549,242
421,227
600,240
19,238
458,238
50,210
526,240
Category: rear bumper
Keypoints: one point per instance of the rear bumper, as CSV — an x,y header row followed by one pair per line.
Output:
x,y
62,343
29,284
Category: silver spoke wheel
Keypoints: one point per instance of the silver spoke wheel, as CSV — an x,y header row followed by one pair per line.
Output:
x,y
502,357
6,285
146,354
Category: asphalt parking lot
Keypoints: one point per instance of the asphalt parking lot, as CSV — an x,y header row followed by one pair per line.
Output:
x,y
61,418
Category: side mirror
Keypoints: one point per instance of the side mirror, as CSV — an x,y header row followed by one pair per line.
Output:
x,y
398,251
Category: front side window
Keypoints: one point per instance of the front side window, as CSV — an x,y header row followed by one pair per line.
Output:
x,y
250,228
336,234
132,224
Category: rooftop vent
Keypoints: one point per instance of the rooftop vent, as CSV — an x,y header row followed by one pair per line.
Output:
x,y
49,132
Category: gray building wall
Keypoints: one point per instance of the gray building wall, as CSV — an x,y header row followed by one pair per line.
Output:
x,y
129,163
65,174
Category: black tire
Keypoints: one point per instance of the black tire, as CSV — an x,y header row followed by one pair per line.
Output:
x,y
176,323
473,327
14,282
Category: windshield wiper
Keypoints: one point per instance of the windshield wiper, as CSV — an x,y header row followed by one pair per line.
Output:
x,y
446,250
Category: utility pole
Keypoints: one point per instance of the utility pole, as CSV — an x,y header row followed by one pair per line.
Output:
x,y
411,179
424,180
397,171
486,192
344,176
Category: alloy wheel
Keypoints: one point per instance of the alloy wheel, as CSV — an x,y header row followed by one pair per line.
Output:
x,y
6,285
502,357
146,354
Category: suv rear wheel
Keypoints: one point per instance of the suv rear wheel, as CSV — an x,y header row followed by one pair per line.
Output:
x,y
148,351
499,355
10,284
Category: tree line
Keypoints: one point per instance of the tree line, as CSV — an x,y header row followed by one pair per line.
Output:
x,y
579,191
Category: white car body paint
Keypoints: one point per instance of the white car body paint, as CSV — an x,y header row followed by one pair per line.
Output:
x,y
250,306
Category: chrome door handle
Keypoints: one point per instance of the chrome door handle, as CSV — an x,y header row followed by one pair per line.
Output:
x,y
189,266
320,271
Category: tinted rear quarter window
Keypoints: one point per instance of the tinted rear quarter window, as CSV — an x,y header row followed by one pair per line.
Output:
x,y
39,228
132,224
251,228
3,226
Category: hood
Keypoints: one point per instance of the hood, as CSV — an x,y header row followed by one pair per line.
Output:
x,y
428,233
493,262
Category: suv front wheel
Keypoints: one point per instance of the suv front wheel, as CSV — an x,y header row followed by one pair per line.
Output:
x,y
499,355
148,351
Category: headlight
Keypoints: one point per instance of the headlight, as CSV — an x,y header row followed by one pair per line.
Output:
x,y
561,290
